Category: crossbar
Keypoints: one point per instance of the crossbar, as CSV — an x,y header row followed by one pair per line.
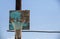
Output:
x,y
38,31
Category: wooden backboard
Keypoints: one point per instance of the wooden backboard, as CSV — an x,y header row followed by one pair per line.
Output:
x,y
18,18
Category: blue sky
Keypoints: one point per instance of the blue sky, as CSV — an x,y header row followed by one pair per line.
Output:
x,y
44,15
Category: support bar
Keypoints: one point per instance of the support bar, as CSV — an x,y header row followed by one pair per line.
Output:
x,y
38,31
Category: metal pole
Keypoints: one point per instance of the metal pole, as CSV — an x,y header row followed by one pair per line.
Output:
x,y
18,4
18,7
